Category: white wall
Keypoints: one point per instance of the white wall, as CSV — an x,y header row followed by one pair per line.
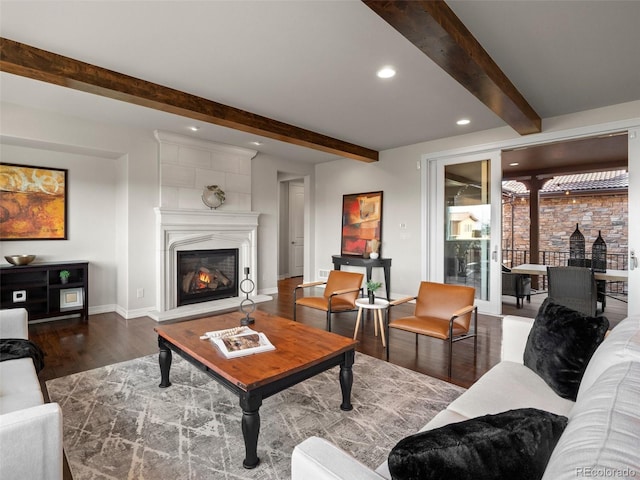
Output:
x,y
397,176
113,187
400,183
266,172
188,164
142,198
90,233
121,228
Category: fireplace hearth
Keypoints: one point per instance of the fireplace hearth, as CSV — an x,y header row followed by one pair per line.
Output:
x,y
205,275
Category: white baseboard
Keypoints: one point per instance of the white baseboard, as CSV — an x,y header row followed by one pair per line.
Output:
x,y
103,309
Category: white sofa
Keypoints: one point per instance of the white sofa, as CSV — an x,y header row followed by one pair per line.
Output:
x,y
602,437
30,430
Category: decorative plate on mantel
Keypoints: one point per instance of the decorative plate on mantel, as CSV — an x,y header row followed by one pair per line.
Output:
x,y
213,196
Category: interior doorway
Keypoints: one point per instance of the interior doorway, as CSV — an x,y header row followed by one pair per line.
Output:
x,y
292,228
296,229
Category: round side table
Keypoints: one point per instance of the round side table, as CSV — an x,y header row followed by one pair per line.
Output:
x,y
377,307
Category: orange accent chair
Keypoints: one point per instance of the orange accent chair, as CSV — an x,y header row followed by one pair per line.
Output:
x,y
340,294
442,311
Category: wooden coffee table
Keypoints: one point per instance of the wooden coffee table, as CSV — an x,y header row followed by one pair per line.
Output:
x,y
301,352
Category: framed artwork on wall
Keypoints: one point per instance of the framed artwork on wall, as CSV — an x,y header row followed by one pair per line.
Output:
x,y
361,224
33,203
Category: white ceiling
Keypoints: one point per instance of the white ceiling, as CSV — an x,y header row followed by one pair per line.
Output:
x,y
312,63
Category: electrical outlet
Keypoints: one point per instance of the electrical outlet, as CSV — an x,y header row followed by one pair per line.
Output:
x,y
140,292
323,273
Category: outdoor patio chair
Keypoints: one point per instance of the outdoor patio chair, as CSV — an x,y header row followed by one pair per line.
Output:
x,y
601,284
573,287
340,294
443,311
516,285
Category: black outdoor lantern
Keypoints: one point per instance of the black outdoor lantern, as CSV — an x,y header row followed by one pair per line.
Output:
x,y
599,254
576,246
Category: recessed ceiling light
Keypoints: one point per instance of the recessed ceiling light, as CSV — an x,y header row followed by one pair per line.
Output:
x,y
463,121
386,72
193,128
514,164
256,143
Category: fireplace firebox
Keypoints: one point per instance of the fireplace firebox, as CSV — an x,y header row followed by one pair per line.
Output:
x,y
206,275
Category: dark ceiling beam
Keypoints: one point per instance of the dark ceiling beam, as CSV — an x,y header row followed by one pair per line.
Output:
x,y
27,61
438,32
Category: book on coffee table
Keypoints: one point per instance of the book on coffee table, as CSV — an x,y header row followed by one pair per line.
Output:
x,y
241,341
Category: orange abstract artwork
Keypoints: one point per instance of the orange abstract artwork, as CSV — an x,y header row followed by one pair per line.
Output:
x,y
361,223
32,203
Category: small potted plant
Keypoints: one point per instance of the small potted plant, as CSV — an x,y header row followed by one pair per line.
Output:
x,y
371,290
64,276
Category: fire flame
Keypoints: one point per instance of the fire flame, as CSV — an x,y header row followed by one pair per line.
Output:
x,y
204,280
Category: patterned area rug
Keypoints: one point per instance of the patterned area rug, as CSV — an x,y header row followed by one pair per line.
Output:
x,y
119,425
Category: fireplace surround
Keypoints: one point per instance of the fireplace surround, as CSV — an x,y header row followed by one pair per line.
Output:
x,y
181,230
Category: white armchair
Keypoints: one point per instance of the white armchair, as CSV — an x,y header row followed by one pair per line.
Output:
x,y
30,430
14,323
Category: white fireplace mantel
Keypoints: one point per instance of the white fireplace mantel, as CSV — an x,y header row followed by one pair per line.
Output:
x,y
191,229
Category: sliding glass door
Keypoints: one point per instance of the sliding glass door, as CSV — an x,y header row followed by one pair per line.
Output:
x,y
462,214
634,225
465,204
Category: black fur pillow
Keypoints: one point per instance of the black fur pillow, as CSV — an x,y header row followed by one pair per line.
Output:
x,y
560,345
513,444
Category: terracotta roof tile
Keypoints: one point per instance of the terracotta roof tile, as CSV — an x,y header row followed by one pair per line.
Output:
x,y
615,179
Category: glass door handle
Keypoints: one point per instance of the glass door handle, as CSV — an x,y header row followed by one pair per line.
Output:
x,y
633,263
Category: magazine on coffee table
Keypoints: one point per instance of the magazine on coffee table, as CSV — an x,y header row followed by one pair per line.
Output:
x,y
240,341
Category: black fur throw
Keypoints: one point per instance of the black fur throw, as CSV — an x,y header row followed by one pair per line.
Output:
x,y
14,348
511,445
560,345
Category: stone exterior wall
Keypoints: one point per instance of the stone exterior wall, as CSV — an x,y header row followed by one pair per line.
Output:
x,y
558,218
